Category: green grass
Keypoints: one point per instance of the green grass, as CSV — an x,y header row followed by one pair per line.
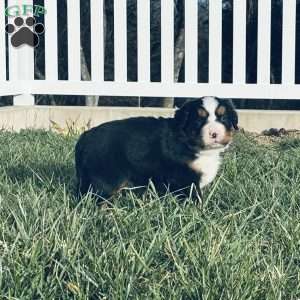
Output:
x,y
244,243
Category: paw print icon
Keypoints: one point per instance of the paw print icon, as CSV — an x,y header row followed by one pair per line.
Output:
x,y
25,32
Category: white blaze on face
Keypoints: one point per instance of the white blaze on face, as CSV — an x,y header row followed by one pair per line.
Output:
x,y
213,132
210,104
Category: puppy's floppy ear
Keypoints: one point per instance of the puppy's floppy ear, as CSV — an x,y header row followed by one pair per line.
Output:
x,y
233,116
181,116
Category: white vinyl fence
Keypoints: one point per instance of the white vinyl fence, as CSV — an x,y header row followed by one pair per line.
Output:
x,y
21,61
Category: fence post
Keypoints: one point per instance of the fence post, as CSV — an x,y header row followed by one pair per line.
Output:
x,y
2,46
239,41
74,46
51,40
215,42
264,42
289,41
21,63
120,43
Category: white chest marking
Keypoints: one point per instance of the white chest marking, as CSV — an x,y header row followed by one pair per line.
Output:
x,y
207,163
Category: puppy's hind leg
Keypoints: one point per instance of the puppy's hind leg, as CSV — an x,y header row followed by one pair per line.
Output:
x,y
95,186
101,190
104,190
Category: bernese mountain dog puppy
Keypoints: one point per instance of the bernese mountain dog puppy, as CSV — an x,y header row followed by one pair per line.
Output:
x,y
177,154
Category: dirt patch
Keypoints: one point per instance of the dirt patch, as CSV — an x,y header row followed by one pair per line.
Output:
x,y
273,136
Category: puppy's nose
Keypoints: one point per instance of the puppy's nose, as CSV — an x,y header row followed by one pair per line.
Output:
x,y
214,135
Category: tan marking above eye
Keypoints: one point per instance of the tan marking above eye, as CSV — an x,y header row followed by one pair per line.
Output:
x,y
202,113
221,110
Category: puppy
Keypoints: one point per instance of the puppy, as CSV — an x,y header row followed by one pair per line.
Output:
x,y
174,153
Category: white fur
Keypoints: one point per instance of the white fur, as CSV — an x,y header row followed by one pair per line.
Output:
x,y
209,160
210,104
212,126
207,163
209,129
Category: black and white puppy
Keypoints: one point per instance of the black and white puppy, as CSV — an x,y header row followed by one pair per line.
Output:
x,y
174,153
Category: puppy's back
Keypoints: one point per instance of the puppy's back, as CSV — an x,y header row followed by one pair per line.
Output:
x,y
120,131
115,139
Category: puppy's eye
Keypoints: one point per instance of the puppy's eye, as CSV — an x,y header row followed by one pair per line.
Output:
x,y
202,113
221,110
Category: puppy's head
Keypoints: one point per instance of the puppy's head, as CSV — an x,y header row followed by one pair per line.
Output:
x,y
207,122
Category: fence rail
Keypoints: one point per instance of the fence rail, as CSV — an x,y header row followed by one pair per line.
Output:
x,y
22,85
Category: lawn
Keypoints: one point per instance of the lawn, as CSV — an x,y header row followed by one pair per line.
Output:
x,y
244,243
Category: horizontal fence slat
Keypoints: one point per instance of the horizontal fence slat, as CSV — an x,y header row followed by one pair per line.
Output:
x,y
120,42
143,8
288,41
51,41
191,41
97,40
215,41
156,89
264,42
239,40
74,47
2,43
167,41
8,88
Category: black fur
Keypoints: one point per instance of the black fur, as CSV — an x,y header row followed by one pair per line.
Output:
x,y
131,152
